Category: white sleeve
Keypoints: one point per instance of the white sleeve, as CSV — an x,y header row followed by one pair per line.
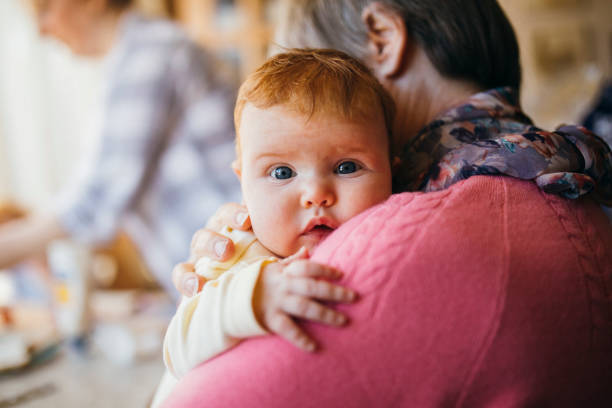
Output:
x,y
214,320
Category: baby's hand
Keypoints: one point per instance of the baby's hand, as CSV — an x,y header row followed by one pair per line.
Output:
x,y
294,287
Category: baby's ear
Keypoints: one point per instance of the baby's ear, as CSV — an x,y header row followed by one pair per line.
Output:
x,y
237,168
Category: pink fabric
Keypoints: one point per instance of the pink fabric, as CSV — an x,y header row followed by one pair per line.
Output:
x,y
490,293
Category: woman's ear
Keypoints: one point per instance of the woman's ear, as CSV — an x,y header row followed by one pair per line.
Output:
x,y
237,168
387,40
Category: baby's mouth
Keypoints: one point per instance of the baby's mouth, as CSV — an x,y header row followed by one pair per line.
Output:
x,y
318,232
320,227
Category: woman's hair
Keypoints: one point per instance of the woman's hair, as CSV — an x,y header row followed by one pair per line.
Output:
x,y
471,40
312,82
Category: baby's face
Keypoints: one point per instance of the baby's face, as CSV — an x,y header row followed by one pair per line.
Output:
x,y
302,178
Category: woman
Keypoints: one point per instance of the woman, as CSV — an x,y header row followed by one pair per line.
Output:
x,y
486,291
167,131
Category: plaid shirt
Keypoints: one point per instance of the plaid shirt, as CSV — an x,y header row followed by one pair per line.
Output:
x,y
163,164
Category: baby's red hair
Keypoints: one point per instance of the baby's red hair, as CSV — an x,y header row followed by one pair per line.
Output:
x,y
316,81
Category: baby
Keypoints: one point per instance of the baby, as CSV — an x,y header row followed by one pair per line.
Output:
x,y
313,150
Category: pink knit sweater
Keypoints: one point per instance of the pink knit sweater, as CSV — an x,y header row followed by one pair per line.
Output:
x,y
489,293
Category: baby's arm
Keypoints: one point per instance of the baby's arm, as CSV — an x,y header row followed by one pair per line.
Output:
x,y
233,306
215,319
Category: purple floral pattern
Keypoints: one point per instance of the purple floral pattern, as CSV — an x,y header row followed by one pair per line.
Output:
x,y
490,135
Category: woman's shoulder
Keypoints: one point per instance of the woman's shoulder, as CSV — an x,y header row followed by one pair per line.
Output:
x,y
480,217
391,223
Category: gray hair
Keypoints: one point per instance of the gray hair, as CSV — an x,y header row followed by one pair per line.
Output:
x,y
471,40
315,24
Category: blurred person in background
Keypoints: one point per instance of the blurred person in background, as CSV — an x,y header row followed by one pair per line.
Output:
x,y
162,165
599,120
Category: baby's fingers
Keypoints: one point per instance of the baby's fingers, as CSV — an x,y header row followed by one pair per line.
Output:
x,y
320,289
306,268
282,325
308,309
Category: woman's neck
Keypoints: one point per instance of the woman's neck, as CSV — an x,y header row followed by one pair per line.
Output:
x,y
422,94
104,33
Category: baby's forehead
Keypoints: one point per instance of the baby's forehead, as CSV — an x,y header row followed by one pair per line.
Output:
x,y
358,116
281,130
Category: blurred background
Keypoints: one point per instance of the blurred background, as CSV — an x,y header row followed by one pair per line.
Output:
x,y
48,97
50,121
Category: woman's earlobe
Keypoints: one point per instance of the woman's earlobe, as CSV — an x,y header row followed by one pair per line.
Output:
x,y
387,39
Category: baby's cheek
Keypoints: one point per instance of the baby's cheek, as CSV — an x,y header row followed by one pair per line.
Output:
x,y
273,234
272,217
374,194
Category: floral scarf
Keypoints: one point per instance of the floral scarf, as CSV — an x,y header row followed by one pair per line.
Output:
x,y
490,135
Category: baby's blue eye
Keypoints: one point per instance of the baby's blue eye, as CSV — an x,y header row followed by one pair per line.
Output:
x,y
347,167
282,173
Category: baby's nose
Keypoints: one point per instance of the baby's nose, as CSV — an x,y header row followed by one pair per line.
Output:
x,y
318,196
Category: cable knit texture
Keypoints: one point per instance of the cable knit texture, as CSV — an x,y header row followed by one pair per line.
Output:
x,y
487,294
